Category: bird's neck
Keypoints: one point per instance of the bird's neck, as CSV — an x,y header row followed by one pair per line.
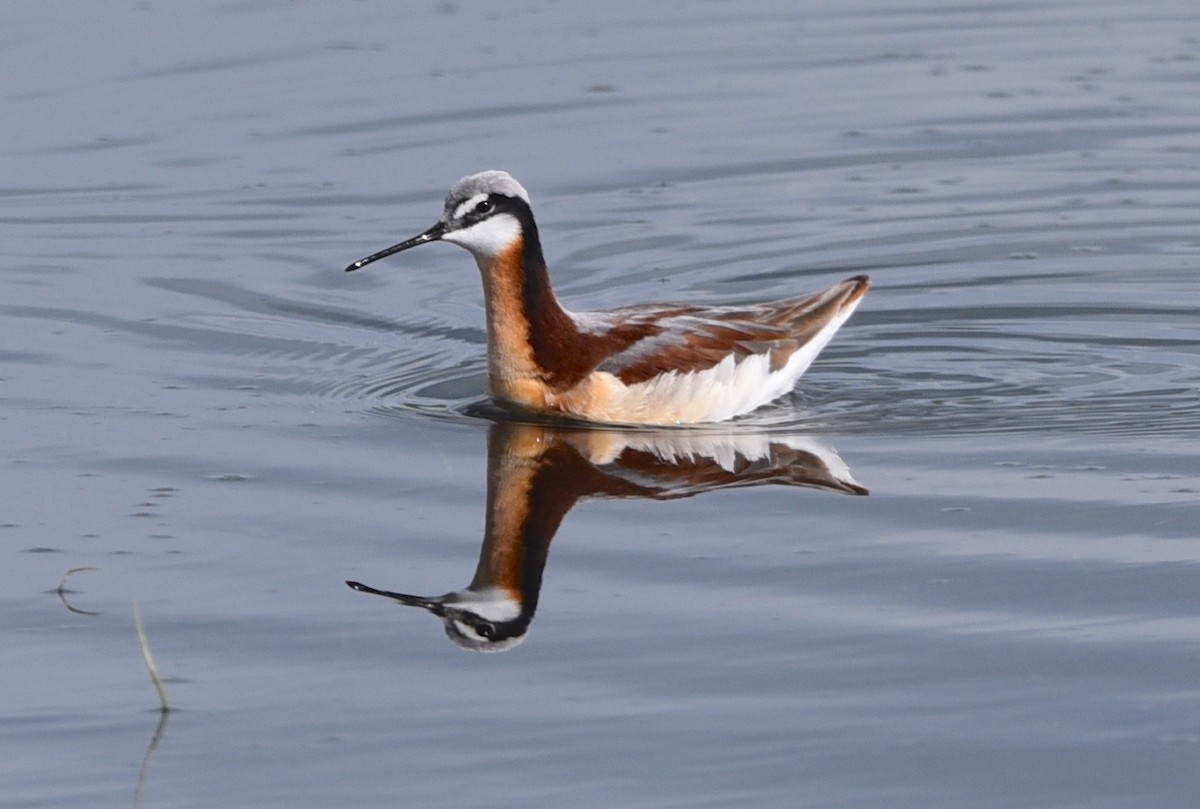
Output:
x,y
534,346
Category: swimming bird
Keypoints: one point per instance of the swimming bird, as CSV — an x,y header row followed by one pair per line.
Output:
x,y
657,364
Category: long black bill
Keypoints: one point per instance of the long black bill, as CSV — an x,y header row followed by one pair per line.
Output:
x,y
431,604
431,235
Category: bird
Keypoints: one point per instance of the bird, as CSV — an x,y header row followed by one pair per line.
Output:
x,y
538,472
646,364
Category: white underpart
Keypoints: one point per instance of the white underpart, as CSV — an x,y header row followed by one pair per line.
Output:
x,y
677,446
488,238
730,388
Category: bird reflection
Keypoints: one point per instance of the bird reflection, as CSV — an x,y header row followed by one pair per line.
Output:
x,y
537,472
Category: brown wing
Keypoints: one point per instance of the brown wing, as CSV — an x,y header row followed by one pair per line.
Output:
x,y
684,477
696,338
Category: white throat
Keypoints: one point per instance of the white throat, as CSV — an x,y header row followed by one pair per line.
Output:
x,y
489,238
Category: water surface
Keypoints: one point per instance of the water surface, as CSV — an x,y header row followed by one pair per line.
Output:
x,y
197,402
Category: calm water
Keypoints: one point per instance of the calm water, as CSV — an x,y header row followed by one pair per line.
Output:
x,y
198,403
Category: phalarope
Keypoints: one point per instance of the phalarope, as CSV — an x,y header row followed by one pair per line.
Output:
x,y
651,364
538,472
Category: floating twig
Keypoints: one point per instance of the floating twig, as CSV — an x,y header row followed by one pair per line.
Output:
x,y
149,658
144,773
62,590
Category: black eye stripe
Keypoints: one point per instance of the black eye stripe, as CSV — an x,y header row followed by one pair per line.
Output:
x,y
475,209
483,209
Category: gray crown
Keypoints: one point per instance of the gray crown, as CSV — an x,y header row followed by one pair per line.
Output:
x,y
485,182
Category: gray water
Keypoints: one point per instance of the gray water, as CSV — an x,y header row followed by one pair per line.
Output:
x,y
197,402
